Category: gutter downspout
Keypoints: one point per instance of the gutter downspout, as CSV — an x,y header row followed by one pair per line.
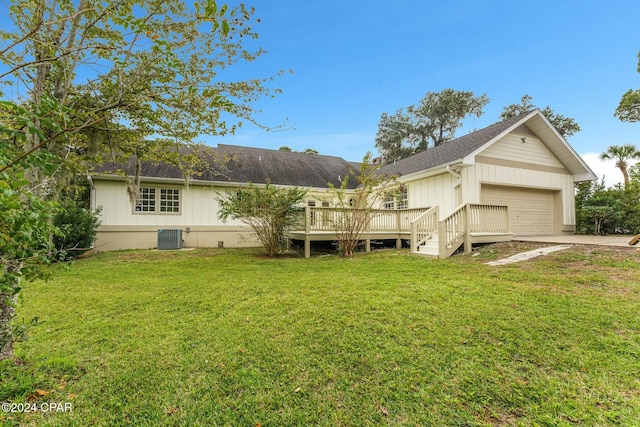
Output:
x,y
456,174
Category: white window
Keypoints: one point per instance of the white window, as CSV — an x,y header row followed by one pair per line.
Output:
x,y
397,200
403,202
147,200
390,201
158,200
169,200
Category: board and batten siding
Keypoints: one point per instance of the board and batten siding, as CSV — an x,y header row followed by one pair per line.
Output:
x,y
433,191
529,164
532,151
123,228
198,207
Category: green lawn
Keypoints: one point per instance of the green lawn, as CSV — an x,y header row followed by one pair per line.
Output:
x,y
227,337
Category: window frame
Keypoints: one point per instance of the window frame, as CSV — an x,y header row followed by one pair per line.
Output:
x,y
159,202
397,199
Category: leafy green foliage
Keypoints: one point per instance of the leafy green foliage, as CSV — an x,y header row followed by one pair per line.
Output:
x,y
601,210
356,206
269,210
76,222
629,108
78,227
432,122
305,151
161,67
25,226
566,126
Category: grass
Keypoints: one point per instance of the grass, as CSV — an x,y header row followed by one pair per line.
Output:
x,y
226,337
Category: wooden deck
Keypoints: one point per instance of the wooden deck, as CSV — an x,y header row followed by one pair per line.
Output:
x,y
466,225
319,224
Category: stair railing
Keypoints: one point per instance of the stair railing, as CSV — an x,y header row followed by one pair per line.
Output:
x,y
424,227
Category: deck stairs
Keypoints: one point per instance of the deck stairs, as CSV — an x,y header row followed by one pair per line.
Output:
x,y
429,247
468,224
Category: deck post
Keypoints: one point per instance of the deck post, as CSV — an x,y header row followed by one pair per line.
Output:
x,y
399,227
307,219
307,247
508,219
367,240
467,229
442,240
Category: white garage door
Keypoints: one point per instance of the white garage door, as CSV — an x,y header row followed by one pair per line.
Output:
x,y
530,210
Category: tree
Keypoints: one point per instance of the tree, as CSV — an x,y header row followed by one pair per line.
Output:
x,y
95,79
430,123
614,210
157,66
621,154
356,207
629,108
25,225
270,211
305,151
566,126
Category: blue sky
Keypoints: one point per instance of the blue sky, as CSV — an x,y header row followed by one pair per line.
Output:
x,y
353,60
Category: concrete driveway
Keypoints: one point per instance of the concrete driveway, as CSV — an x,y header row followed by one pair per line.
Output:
x,y
575,239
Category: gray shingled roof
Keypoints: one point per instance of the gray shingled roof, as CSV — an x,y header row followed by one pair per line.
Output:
x,y
230,163
449,152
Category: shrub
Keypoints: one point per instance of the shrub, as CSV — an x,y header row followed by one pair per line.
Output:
x,y
269,210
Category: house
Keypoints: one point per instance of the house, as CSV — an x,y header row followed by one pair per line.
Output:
x,y
522,162
166,200
514,177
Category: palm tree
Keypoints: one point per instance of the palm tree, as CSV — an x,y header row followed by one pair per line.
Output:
x,y
622,154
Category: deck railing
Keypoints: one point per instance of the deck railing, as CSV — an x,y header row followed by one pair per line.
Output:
x,y
423,223
488,219
424,227
320,219
452,232
461,224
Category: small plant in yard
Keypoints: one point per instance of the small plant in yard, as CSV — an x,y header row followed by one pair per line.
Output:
x,y
356,207
269,210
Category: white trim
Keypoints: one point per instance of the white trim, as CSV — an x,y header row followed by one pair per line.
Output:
x,y
183,182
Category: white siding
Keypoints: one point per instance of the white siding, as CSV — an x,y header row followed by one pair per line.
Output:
x,y
433,191
533,151
198,207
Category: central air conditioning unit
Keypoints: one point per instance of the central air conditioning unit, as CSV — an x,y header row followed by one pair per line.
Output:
x,y
169,239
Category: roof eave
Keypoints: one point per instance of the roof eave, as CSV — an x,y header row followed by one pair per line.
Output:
x,y
198,182
436,170
580,170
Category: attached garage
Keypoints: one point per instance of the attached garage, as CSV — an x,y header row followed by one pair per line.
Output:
x,y
531,211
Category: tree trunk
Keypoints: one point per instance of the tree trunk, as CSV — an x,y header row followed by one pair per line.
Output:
x,y
8,299
625,174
